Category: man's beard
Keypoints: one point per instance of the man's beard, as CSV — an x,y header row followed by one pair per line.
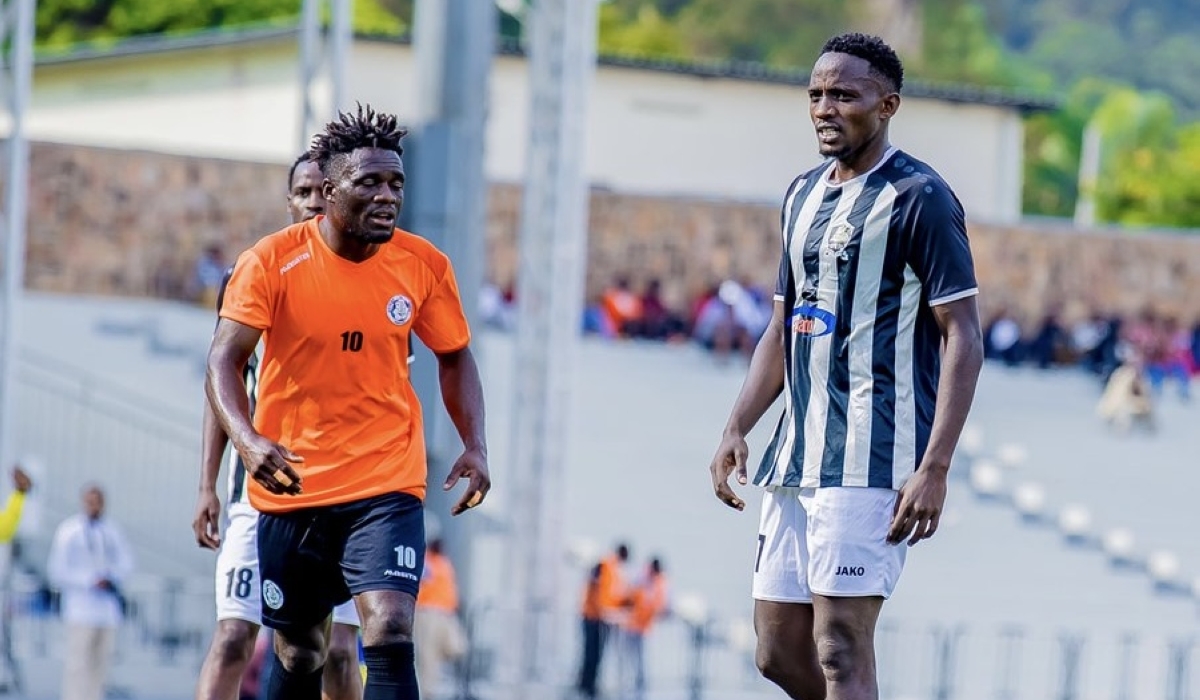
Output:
x,y
373,237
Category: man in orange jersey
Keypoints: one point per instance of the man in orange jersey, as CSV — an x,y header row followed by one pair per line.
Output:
x,y
439,634
239,600
648,600
336,449
604,600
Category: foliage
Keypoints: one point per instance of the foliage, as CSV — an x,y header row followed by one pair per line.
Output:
x,y
61,23
642,32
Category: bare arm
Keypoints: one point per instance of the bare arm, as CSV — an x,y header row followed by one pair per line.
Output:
x,y
462,394
764,382
208,507
267,462
962,360
919,506
764,379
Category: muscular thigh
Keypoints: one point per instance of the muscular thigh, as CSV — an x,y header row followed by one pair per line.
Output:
x,y
784,629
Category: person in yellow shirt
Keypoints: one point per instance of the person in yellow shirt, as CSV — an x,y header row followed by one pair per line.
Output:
x,y
438,632
648,602
10,517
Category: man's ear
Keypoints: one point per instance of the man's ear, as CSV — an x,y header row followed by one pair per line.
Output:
x,y
890,105
328,190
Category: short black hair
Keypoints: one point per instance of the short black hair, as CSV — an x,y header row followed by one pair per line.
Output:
x,y
873,50
305,157
349,132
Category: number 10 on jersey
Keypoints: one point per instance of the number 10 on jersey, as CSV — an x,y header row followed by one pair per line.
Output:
x,y
352,341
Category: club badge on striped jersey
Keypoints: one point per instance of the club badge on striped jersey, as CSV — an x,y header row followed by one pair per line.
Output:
x,y
839,238
812,321
399,309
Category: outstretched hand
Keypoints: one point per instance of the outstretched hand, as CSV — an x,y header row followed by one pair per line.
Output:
x,y
729,460
471,465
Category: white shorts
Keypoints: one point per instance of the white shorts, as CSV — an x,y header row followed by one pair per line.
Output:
x,y
829,541
239,595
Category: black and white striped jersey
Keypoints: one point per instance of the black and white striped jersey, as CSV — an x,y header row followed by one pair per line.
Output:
x,y
864,261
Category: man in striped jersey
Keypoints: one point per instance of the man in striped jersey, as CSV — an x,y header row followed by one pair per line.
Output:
x,y
876,345
239,602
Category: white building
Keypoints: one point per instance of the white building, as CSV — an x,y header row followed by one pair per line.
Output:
x,y
730,131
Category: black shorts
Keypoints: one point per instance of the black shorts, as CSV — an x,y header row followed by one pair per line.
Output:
x,y
314,559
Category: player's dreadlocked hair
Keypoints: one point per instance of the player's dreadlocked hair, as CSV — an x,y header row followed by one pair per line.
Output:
x,y
304,158
871,49
350,131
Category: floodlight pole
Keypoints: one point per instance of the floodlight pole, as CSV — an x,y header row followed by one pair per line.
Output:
x,y
446,203
16,76
552,251
313,59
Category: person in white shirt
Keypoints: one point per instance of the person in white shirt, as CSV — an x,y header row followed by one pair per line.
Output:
x,y
89,559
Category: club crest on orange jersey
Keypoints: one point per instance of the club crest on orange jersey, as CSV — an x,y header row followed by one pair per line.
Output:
x,y
399,309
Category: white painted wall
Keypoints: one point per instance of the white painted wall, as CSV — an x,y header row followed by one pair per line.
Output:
x,y
649,132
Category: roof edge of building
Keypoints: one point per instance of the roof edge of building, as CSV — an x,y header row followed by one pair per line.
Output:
x,y
729,70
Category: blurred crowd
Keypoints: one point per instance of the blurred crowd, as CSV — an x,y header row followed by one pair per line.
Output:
x,y
1161,347
727,319
1135,357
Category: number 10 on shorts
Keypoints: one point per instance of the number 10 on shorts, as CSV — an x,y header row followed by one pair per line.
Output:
x,y
406,557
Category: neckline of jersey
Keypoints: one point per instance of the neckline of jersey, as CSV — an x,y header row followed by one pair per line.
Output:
x,y
826,177
315,232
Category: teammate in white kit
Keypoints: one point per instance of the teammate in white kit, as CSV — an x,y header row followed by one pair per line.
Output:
x,y
239,600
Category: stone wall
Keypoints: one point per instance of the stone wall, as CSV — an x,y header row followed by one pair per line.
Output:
x,y
133,223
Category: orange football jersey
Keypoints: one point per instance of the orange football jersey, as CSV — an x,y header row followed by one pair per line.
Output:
x,y
334,381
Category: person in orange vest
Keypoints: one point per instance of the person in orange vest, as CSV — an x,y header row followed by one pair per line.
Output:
x,y
604,601
648,602
437,631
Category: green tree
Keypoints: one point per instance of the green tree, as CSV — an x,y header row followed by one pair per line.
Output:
x,y
1052,150
781,33
1145,154
959,46
646,33
64,22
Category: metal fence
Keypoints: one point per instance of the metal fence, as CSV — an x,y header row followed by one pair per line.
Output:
x,y
714,658
171,618
144,454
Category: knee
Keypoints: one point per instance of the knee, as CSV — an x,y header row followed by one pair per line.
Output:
x,y
387,619
300,653
841,653
772,662
233,643
340,662
388,627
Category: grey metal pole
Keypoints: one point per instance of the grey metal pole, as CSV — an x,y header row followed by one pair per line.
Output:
x,y
552,251
339,52
310,46
19,16
446,203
